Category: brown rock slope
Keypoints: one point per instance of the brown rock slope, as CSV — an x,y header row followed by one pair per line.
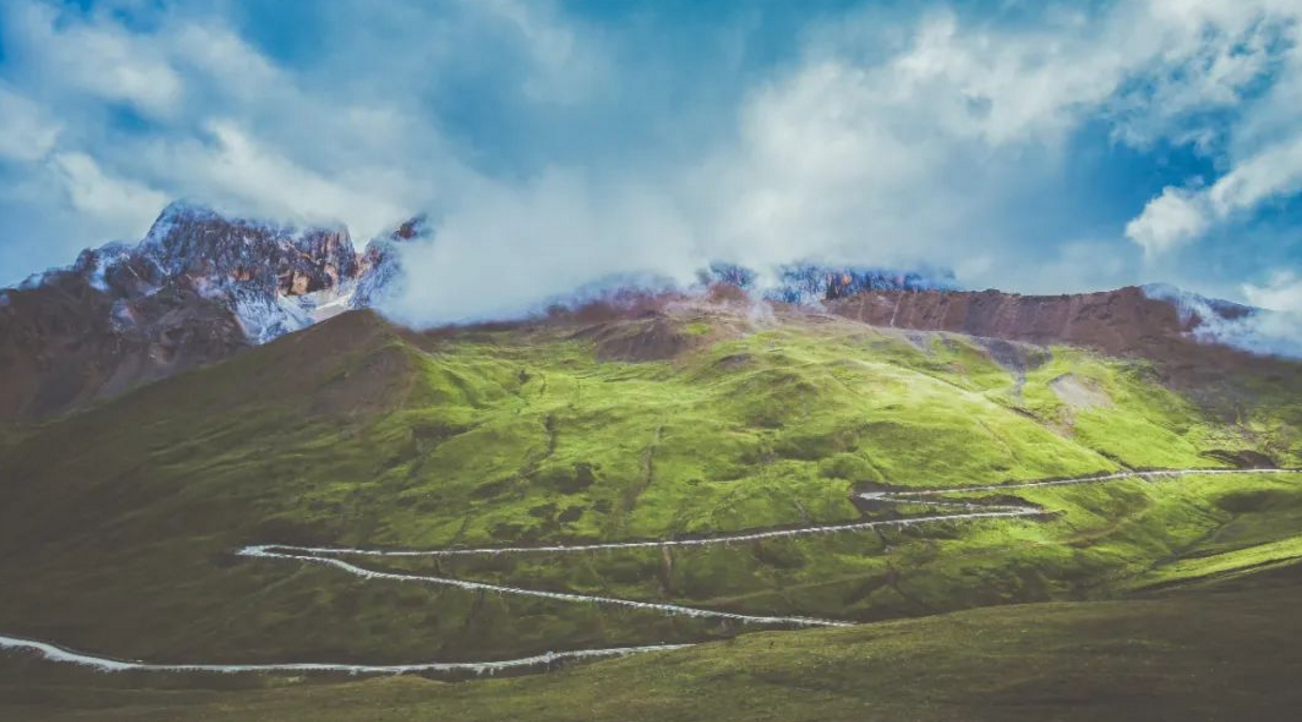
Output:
x,y
64,344
196,289
1125,321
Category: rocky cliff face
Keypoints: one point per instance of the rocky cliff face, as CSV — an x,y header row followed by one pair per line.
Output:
x,y
274,279
66,341
198,288
1127,321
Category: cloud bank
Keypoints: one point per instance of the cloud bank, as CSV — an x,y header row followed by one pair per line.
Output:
x,y
1055,148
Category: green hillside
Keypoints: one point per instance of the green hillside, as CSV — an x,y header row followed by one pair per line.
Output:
x,y
1220,650
120,523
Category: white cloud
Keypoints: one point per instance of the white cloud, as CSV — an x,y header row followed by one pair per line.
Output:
x,y
94,57
1179,217
914,155
222,58
866,151
228,126
1262,330
938,139
1263,147
238,172
117,205
1275,170
512,248
1281,292
920,153
27,132
1169,220
563,69
1278,328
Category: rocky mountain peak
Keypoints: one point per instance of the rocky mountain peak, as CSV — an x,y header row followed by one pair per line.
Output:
x,y
198,243
199,286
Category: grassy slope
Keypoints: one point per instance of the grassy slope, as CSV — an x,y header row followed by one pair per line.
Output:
x,y
119,523
1223,651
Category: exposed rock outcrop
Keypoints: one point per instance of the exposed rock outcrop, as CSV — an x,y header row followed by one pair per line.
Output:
x,y
1124,321
198,288
65,342
1198,345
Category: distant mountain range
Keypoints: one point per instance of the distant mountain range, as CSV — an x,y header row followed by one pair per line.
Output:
x,y
202,286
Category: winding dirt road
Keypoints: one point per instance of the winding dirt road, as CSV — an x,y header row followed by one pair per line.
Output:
x,y
336,557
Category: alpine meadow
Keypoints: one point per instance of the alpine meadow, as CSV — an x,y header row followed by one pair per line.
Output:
x,y
666,377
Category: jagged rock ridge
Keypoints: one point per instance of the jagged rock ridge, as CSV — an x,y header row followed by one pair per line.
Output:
x,y
198,288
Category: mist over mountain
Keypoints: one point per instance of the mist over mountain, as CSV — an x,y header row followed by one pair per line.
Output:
x,y
201,286
1155,142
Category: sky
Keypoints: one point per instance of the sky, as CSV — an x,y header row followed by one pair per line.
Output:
x,y
1041,147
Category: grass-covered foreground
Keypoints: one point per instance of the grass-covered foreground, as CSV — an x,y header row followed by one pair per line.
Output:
x,y
119,523
1219,651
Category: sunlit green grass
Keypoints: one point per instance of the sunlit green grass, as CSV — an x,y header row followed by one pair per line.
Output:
x,y
119,524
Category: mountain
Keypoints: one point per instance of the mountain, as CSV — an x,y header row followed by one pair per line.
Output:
x,y
201,286
1192,339
147,527
198,288
808,284
1128,321
271,278
73,338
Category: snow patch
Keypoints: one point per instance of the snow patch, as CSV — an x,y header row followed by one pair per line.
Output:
x,y
264,319
328,302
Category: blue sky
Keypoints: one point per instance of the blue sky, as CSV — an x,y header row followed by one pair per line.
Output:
x,y
1031,146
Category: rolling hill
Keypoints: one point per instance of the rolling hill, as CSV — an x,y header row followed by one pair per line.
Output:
x,y
673,418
